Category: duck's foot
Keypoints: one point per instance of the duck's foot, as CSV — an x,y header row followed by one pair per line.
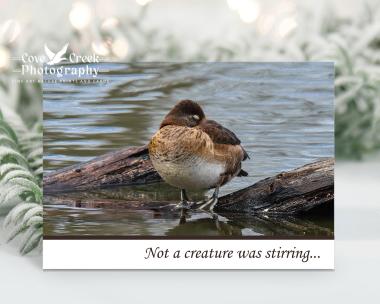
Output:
x,y
210,203
184,205
207,207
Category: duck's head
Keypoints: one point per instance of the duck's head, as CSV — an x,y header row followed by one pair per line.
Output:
x,y
185,113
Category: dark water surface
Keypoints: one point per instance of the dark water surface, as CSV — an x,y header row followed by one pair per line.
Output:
x,y
282,112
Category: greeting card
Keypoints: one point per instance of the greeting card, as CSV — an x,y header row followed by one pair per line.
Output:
x,y
188,165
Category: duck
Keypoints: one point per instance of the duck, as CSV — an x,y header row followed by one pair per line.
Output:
x,y
193,153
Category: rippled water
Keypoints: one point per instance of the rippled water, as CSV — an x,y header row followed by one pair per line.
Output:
x,y
282,112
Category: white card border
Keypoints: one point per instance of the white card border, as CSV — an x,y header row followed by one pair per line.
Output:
x,y
129,254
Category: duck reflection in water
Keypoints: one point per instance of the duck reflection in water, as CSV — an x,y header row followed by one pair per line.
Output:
x,y
200,223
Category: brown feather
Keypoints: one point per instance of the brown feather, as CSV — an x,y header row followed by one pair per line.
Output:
x,y
221,135
186,135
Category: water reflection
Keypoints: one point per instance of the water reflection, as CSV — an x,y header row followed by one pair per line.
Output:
x,y
148,213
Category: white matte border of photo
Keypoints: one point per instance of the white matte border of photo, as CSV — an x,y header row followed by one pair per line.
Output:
x,y
130,254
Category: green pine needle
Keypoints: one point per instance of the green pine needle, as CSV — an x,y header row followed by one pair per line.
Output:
x,y
20,181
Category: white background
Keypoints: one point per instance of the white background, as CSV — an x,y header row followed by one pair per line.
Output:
x,y
355,279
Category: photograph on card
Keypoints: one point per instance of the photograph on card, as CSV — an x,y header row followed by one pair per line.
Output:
x,y
193,150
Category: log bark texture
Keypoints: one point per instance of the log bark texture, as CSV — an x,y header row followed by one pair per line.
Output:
x,y
310,187
295,191
128,166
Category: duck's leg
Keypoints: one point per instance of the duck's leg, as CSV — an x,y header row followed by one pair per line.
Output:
x,y
185,202
210,204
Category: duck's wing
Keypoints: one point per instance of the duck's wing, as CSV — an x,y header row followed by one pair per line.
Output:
x,y
221,135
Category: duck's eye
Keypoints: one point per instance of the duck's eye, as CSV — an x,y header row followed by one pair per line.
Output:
x,y
195,117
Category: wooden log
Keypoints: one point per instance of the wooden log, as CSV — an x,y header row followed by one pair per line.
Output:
x,y
295,191
128,166
310,187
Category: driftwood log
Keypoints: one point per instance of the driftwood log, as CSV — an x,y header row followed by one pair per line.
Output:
x,y
305,189
128,166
